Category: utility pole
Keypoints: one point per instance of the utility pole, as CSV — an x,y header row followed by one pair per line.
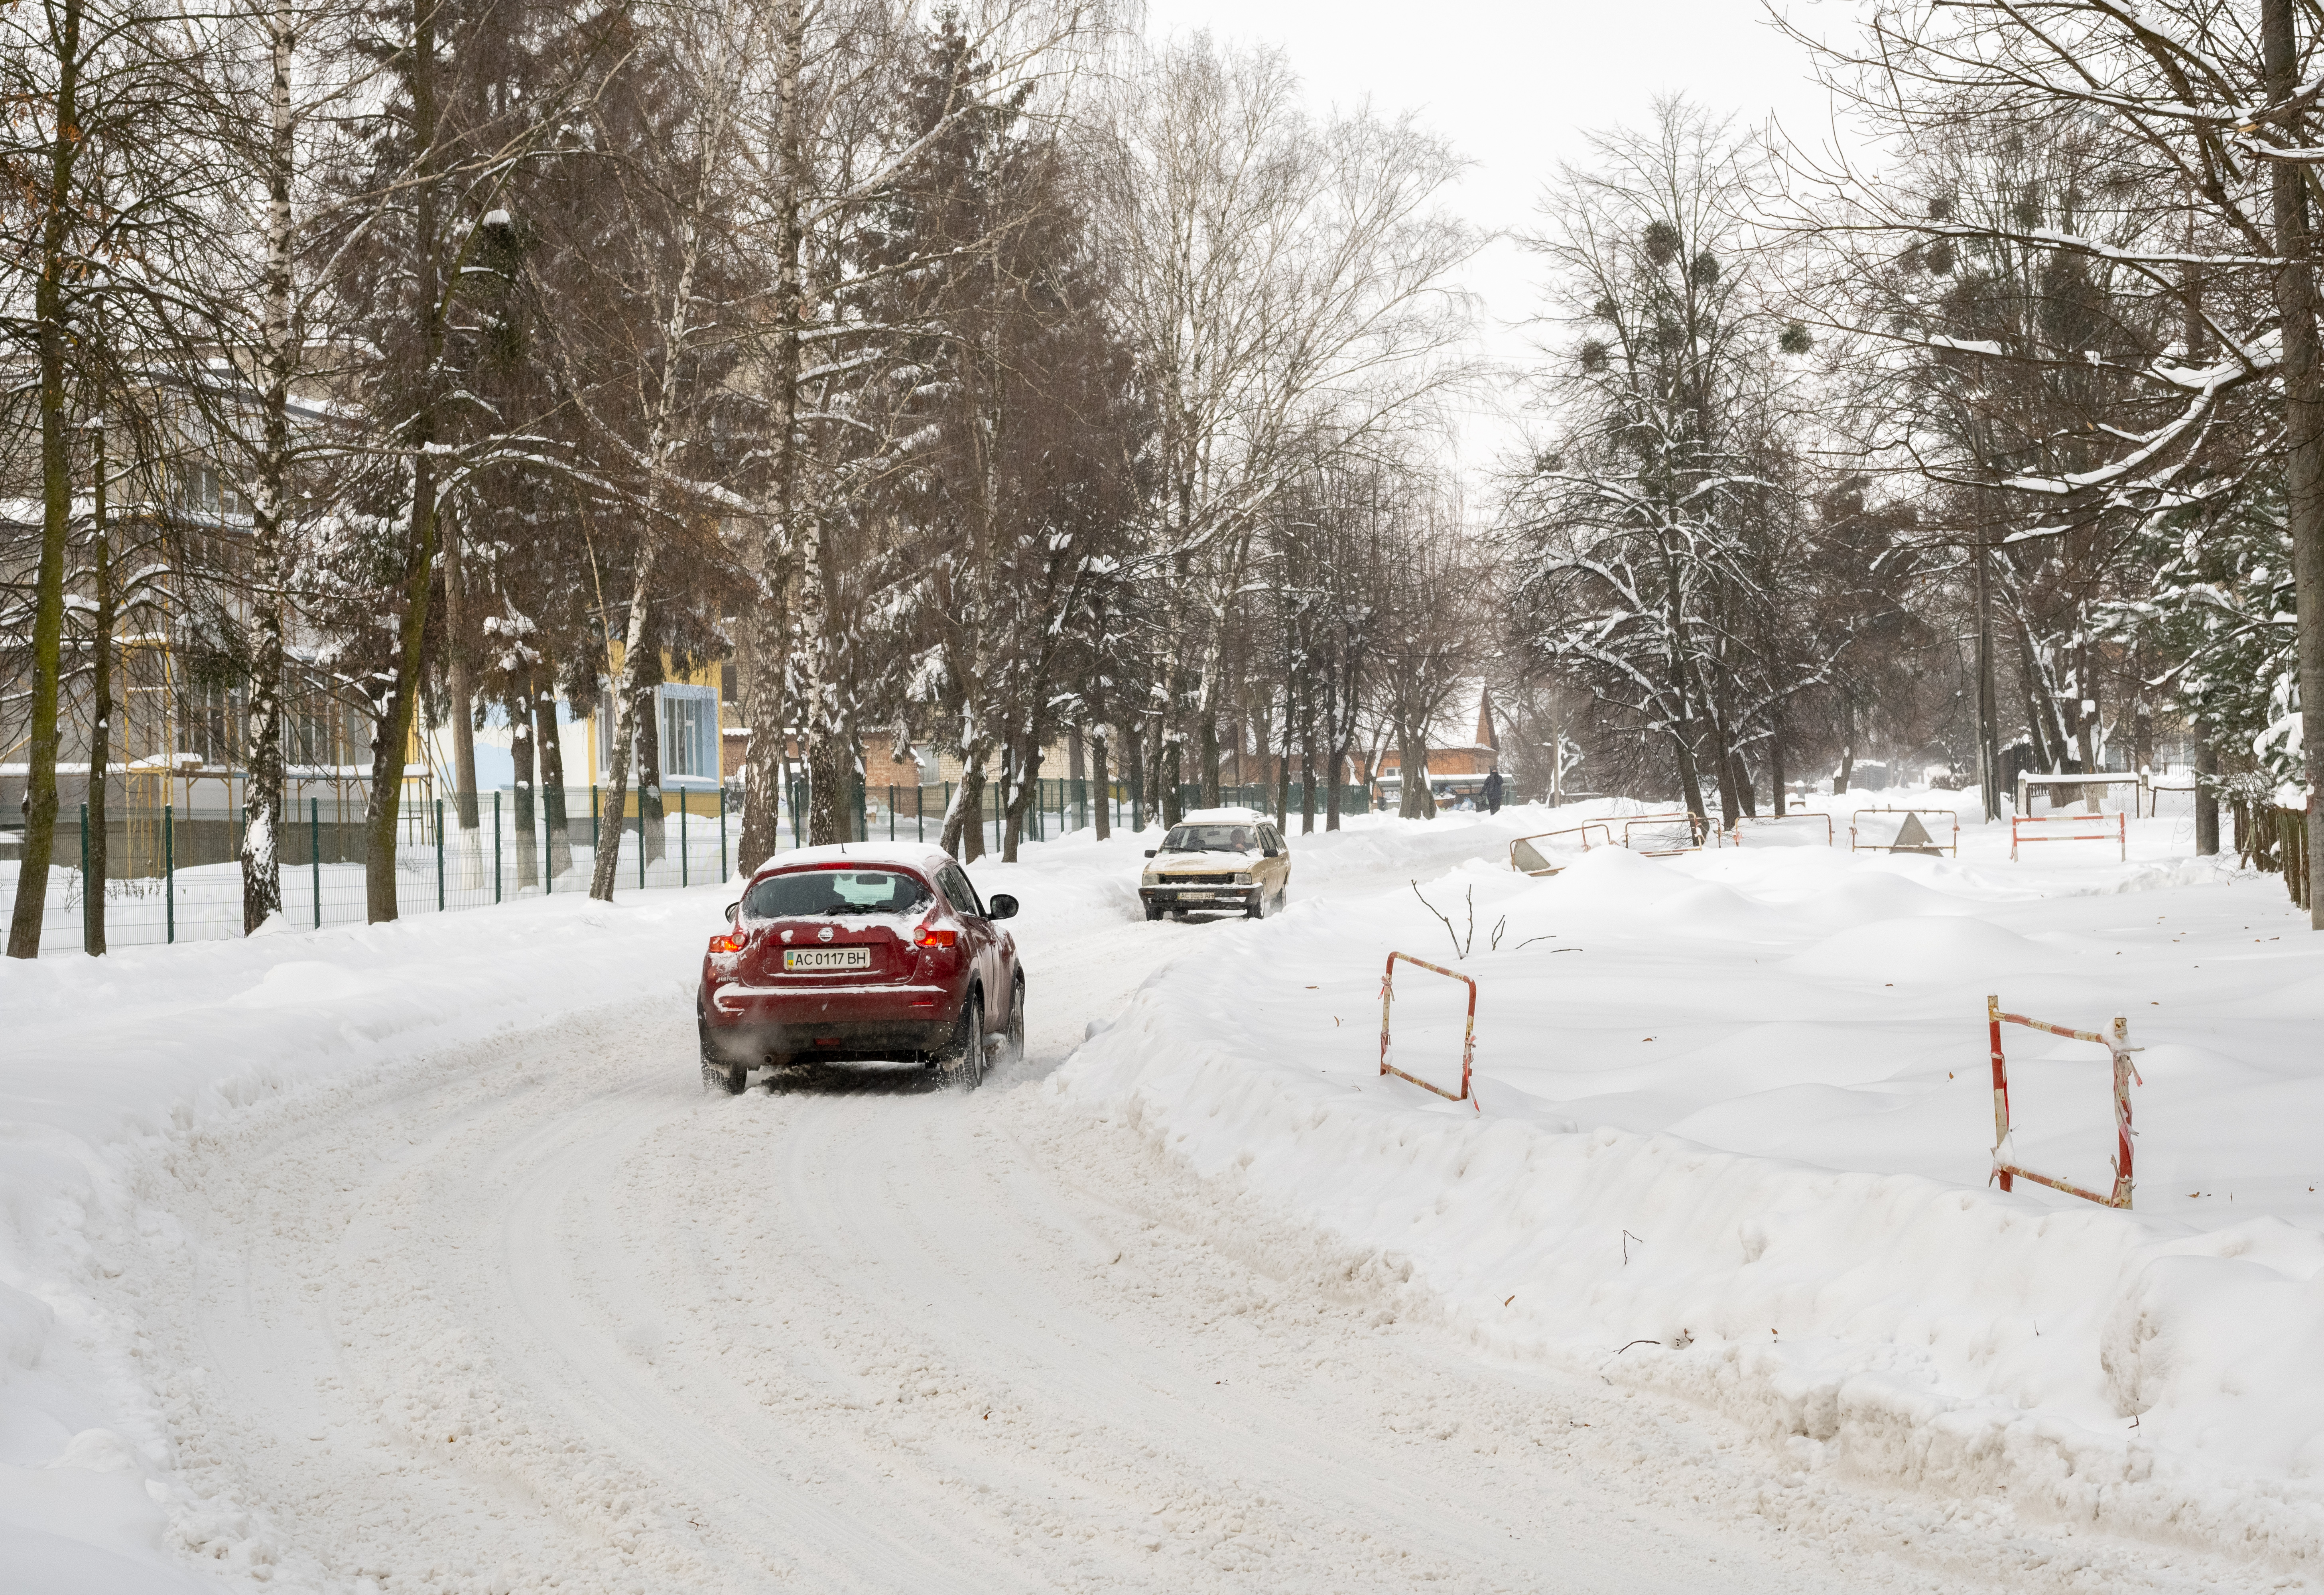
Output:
x,y
101,703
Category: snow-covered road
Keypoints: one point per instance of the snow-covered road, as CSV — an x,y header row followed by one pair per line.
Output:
x,y
541,1315
522,1308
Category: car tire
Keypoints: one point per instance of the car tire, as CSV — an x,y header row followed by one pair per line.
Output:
x,y
1012,1039
963,1054
717,1073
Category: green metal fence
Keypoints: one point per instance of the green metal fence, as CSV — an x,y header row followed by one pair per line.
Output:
x,y
173,875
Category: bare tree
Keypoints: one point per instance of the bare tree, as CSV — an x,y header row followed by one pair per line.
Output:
x,y
1286,289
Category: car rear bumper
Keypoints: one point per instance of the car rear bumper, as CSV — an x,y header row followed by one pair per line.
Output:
x,y
754,1024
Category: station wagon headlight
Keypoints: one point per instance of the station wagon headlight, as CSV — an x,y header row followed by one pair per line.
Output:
x,y
1242,877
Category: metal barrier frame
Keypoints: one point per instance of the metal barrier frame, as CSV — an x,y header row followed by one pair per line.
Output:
x,y
1468,1031
2118,1047
2022,796
1734,833
1675,816
2121,837
1585,828
1855,846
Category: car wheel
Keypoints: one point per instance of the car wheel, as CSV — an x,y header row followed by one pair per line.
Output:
x,y
963,1055
1012,1040
717,1073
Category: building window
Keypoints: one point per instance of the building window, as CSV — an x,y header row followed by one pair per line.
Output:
x,y
209,715
688,727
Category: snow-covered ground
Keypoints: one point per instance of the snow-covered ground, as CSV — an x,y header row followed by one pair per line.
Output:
x,y
414,1257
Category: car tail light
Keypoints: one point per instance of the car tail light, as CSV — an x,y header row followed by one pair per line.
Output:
x,y
734,941
928,936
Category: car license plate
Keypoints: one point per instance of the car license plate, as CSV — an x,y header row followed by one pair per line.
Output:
x,y
807,960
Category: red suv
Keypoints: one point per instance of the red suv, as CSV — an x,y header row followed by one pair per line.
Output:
x,y
855,952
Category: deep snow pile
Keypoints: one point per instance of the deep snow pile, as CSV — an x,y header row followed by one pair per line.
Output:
x,y
1735,1132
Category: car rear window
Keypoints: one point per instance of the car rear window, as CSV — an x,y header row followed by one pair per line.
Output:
x,y
803,894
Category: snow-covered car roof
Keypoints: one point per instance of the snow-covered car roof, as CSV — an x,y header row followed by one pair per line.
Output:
x,y
1226,817
926,857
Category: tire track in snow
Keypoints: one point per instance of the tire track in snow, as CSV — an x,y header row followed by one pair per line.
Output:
x,y
565,1323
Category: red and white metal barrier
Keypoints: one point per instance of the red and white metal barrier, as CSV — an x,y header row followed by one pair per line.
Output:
x,y
1531,861
1951,816
1734,834
2118,1047
1467,1030
2095,828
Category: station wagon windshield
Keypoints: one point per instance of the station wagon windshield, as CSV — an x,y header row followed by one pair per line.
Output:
x,y
804,893
1209,839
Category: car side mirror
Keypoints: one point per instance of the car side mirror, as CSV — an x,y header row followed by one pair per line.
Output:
x,y
1001,906
1149,853
731,910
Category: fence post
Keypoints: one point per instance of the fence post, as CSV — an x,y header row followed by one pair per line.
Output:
x,y
685,802
641,840
315,849
496,847
892,811
169,873
722,835
87,925
439,856
920,810
592,818
547,838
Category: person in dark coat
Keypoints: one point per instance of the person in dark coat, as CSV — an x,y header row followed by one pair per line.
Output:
x,y
1493,793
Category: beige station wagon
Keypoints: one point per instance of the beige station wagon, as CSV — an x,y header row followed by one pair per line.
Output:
x,y
1218,860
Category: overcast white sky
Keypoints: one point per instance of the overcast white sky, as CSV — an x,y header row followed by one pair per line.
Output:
x,y
1512,85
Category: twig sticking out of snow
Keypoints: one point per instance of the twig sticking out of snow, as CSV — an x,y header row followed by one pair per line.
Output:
x,y
1460,947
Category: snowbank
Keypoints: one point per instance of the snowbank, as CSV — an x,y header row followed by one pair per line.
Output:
x,y
1733,1145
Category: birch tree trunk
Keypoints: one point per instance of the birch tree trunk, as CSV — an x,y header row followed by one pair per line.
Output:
x,y
262,791
641,664
776,625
